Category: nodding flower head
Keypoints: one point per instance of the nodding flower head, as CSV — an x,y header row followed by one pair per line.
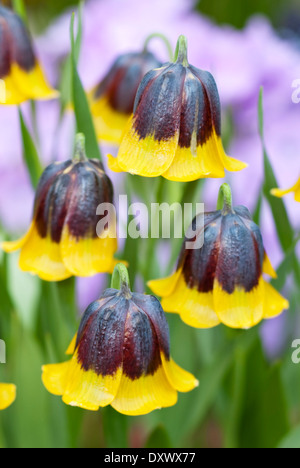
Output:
x,y
21,77
120,357
112,100
222,282
63,239
175,128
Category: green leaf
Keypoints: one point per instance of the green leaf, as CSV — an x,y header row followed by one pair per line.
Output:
x,y
237,398
264,420
20,9
30,154
159,438
192,409
237,13
284,228
82,111
30,425
283,225
66,77
291,440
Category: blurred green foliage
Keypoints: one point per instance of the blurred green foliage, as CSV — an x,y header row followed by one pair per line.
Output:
x,y
237,13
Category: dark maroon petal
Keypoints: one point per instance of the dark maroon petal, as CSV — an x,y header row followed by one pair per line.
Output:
x,y
141,351
20,46
199,265
241,255
5,58
44,194
196,116
154,311
100,339
212,94
69,194
89,189
158,103
122,81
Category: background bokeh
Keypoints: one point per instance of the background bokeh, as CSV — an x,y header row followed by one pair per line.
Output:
x,y
250,390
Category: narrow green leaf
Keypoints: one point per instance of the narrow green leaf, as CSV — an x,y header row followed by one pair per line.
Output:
x,y
265,417
30,154
82,111
283,225
257,209
66,76
237,400
282,222
19,8
159,438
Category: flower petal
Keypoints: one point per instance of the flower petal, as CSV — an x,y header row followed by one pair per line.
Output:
x,y
268,268
21,85
13,246
240,309
197,162
179,378
41,256
78,387
109,123
195,308
146,394
274,303
88,256
165,286
145,156
7,395
54,377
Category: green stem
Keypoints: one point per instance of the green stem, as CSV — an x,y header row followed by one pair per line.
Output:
x,y
181,51
225,199
79,152
120,278
164,39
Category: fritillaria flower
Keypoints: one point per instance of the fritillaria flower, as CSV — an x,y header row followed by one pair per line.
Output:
x,y
222,282
175,128
120,357
294,189
112,100
7,395
21,77
63,240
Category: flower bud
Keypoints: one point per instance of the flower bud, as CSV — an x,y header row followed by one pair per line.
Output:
x,y
175,129
62,240
112,100
222,282
121,357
